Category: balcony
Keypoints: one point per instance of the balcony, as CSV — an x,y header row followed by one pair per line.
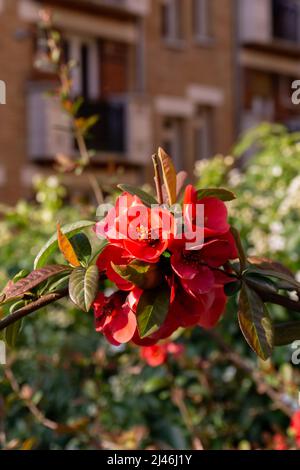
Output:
x,y
135,7
123,131
131,7
255,20
270,23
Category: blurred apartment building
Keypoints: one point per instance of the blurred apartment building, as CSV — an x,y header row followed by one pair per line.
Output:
x,y
269,61
158,72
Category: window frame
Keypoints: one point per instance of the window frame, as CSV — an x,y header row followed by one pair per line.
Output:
x,y
174,36
202,21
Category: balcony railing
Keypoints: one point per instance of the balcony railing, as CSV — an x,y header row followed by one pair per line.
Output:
x,y
123,129
266,21
136,7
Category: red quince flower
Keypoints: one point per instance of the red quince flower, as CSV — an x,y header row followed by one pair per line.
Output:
x,y
114,318
195,268
118,256
204,311
295,426
157,354
279,442
165,331
215,213
143,232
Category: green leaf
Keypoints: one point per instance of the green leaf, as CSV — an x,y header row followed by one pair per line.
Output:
x,y
232,288
97,252
82,247
11,333
152,310
20,275
146,198
261,281
143,275
267,264
83,286
291,281
220,193
52,244
58,283
255,323
169,176
34,279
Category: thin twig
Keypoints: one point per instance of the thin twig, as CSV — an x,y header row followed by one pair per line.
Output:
x,y
255,374
32,307
34,410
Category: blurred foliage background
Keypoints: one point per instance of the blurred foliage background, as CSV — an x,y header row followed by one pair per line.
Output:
x,y
65,387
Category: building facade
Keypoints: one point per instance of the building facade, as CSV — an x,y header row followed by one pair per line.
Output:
x,y
269,53
158,72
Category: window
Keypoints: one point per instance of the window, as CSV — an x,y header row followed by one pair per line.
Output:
x,y
201,19
84,68
172,140
286,20
171,20
86,77
114,68
204,133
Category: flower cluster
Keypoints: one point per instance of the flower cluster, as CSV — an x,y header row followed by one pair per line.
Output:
x,y
170,271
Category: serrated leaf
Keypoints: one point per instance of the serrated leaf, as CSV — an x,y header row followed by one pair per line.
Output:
x,y
143,275
220,193
152,310
34,279
66,248
146,198
169,176
82,247
49,248
255,323
83,286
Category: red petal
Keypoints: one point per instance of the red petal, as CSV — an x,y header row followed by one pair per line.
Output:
x,y
123,325
215,216
211,315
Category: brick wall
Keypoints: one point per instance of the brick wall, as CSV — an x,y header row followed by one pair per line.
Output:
x,y
170,70
15,68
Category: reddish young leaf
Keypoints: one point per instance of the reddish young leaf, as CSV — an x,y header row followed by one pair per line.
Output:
x,y
66,248
169,175
35,278
255,323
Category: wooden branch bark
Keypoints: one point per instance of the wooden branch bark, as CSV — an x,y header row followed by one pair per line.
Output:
x,y
32,307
